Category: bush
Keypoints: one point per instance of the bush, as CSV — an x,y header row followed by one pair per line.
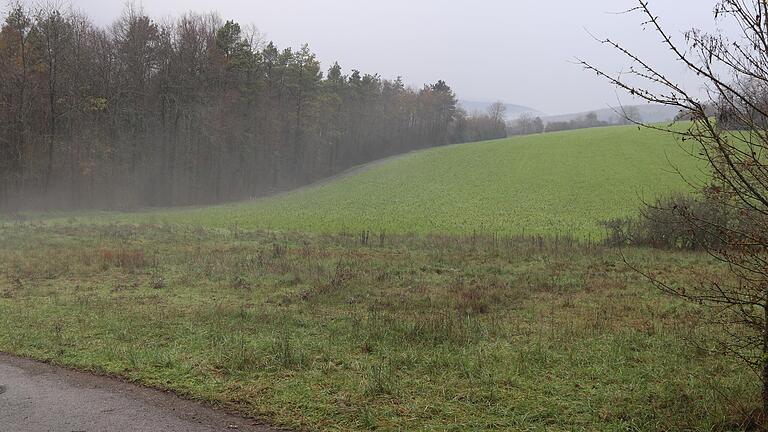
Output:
x,y
677,222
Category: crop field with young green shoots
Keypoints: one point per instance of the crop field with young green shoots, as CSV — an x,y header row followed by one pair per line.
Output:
x,y
549,184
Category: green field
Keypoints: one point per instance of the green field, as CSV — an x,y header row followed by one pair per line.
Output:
x,y
416,333
453,320
561,183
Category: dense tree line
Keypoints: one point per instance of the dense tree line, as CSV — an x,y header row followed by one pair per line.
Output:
x,y
482,126
527,124
192,111
589,120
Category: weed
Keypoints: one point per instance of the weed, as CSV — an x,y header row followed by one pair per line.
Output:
x,y
158,282
368,419
241,283
278,250
380,380
126,258
287,354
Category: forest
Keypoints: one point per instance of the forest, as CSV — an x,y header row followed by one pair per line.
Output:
x,y
197,110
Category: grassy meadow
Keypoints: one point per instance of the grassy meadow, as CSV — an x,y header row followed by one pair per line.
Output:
x,y
468,306
547,184
318,332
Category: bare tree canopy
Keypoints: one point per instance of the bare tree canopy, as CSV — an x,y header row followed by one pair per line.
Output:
x,y
729,129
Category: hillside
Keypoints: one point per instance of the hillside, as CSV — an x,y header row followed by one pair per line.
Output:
x,y
560,183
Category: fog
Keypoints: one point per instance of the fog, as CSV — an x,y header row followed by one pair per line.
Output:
x,y
181,109
520,52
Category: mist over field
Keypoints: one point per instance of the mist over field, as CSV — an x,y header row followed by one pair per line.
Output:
x,y
360,215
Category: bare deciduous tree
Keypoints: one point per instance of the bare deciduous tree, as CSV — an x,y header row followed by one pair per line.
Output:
x,y
498,111
733,69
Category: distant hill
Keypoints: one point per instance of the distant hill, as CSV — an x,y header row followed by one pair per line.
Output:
x,y
513,111
648,113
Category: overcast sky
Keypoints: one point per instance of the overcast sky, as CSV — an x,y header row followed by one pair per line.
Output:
x,y
517,51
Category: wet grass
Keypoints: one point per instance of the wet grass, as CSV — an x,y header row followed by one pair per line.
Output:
x,y
359,332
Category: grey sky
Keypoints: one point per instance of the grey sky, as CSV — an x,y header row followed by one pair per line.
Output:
x,y
516,51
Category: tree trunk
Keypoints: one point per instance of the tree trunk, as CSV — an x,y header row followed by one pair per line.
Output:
x,y
765,356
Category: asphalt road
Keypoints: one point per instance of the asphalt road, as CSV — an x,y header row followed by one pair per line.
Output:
x,y
37,397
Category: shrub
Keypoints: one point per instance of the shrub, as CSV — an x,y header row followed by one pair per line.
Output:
x,y
677,222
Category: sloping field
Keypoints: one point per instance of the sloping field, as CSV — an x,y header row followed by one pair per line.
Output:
x,y
563,183
440,333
